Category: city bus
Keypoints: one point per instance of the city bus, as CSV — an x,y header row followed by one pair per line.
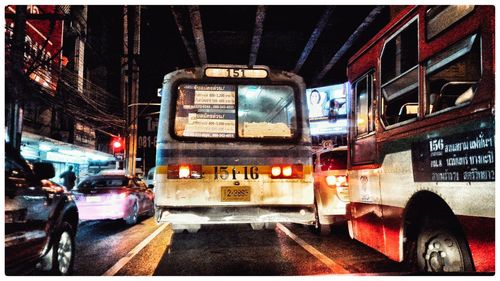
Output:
x,y
233,147
421,140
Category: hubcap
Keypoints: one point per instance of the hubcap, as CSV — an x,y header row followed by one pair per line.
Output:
x,y
64,252
136,209
443,254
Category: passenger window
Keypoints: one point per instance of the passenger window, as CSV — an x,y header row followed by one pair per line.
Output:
x,y
364,105
266,111
399,65
439,18
452,75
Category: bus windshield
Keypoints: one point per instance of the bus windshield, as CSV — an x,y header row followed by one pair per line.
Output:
x,y
235,111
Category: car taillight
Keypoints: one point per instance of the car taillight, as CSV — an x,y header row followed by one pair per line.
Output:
x,y
341,185
295,171
118,196
184,172
336,181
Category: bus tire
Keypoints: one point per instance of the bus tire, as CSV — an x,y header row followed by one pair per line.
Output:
x,y
441,248
190,228
270,225
257,225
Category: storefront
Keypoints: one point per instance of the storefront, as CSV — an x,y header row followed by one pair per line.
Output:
x,y
62,155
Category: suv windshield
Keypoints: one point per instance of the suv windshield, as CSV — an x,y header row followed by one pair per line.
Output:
x,y
235,111
103,182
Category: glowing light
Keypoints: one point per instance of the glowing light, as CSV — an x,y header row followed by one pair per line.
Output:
x,y
118,196
117,144
341,179
184,172
331,180
44,147
275,171
72,152
287,171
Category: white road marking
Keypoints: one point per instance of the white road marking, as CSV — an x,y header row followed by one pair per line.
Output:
x,y
123,261
335,267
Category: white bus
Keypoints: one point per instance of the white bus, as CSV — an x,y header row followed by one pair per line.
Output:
x,y
233,147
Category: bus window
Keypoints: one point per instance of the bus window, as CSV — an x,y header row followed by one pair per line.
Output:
x,y
266,111
452,75
364,109
439,18
399,68
209,111
206,111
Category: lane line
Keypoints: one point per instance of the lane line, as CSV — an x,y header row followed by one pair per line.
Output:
x,y
123,261
335,267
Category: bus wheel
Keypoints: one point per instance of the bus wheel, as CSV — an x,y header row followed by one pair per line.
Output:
x,y
440,249
257,225
270,225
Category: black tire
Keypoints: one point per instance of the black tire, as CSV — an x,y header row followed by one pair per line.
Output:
x,y
63,251
132,218
441,248
270,225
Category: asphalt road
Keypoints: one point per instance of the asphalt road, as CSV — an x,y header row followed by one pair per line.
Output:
x,y
113,248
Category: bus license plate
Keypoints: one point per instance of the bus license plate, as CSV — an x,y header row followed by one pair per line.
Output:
x,y
235,193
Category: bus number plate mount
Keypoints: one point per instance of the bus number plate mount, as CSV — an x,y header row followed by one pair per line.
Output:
x,y
235,193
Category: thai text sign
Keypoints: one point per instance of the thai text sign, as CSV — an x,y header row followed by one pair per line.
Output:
x,y
461,157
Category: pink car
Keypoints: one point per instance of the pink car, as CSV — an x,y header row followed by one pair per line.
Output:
x,y
113,197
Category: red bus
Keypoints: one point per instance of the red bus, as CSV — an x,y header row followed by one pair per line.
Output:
x,y
421,141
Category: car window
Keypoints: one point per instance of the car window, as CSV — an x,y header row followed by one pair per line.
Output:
x,y
333,160
103,183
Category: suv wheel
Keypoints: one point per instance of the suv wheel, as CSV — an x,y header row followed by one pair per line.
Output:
x,y
63,251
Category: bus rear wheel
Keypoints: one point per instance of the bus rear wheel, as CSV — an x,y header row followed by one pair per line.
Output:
x,y
441,249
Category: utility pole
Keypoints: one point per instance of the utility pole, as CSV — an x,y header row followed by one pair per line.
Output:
x,y
124,87
16,92
132,87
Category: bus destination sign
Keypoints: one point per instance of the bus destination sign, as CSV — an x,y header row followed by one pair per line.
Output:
x,y
221,72
462,157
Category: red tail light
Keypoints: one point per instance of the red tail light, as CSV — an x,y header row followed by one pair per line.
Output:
x,y
118,196
295,171
184,172
337,180
276,171
341,183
